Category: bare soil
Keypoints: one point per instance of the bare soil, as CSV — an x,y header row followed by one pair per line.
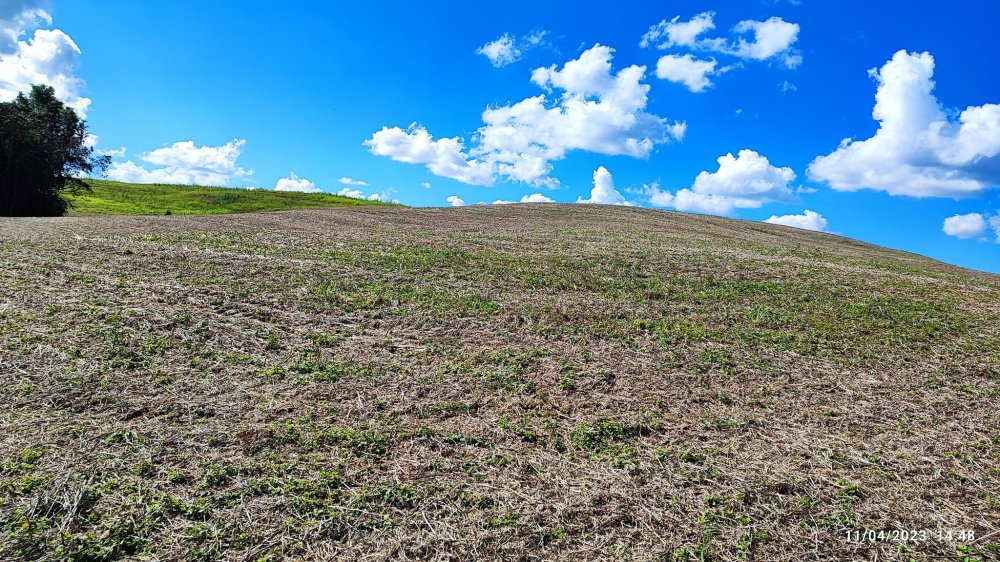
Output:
x,y
524,382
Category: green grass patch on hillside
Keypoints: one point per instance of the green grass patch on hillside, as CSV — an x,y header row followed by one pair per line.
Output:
x,y
116,198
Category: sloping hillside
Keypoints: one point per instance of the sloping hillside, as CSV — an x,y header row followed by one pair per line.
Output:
x,y
116,198
530,382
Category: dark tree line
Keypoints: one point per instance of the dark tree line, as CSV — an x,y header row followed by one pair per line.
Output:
x,y
43,154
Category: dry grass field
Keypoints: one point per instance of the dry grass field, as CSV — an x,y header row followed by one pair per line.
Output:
x,y
529,382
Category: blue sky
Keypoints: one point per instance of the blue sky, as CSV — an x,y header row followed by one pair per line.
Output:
x,y
302,96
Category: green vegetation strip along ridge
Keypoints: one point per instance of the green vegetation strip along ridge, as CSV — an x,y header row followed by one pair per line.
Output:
x,y
115,198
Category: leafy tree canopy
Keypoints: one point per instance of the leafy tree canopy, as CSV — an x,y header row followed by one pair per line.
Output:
x,y
43,154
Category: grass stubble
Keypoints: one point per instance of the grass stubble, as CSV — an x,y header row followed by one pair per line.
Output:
x,y
531,382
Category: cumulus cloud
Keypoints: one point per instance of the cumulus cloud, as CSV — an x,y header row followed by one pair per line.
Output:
x,y
756,40
384,196
445,157
536,198
918,149
501,52
185,163
746,181
676,33
46,56
972,225
808,220
455,201
604,192
16,18
772,37
294,183
349,181
426,185
687,70
507,49
597,111
533,198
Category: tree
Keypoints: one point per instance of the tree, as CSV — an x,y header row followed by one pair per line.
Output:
x,y
43,154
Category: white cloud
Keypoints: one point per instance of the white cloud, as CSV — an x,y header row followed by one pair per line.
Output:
x,y
597,111
808,220
295,183
918,149
536,198
676,33
16,18
384,196
507,49
772,37
746,181
501,52
443,157
352,193
995,225
48,56
533,198
349,181
185,163
686,70
455,201
91,140
426,185
972,225
604,192
116,153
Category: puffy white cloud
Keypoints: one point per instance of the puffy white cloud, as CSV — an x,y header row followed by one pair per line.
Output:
x,y
50,57
676,33
687,70
507,49
455,201
995,225
185,163
772,37
16,18
972,225
443,157
349,181
352,193
597,111
808,220
426,185
918,149
536,198
746,181
384,196
501,52
533,198
294,183
91,140
604,192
